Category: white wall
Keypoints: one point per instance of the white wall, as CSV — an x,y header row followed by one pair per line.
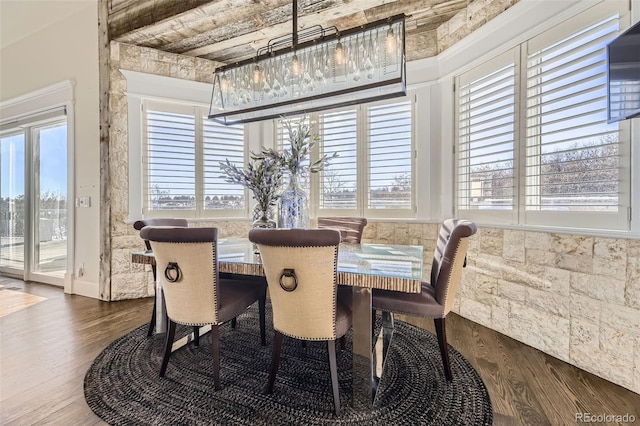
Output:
x,y
60,43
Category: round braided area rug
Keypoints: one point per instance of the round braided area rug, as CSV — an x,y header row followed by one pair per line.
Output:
x,y
123,386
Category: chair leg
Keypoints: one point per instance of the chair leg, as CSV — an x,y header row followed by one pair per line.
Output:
x,y
275,360
152,323
331,346
261,308
171,331
373,321
342,343
215,349
233,322
444,348
196,336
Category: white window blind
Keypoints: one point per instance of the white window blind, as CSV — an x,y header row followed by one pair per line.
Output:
x,y
219,144
486,133
390,156
572,155
372,174
170,158
532,132
339,180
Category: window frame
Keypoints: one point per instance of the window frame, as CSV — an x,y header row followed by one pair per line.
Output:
x,y
362,173
199,113
583,220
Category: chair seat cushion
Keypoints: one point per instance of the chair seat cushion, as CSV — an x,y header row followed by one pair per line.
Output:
x,y
421,304
343,319
235,296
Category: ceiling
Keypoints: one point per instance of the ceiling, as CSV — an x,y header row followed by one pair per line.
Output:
x,y
227,31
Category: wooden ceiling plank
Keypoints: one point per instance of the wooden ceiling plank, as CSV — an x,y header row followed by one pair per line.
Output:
x,y
143,13
261,37
228,31
201,20
417,7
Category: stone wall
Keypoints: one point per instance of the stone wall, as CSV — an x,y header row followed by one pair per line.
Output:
x,y
573,297
576,298
472,17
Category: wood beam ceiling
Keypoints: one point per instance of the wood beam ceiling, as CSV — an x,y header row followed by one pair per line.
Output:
x,y
232,30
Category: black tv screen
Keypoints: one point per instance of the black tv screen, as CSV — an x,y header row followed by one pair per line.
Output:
x,y
623,79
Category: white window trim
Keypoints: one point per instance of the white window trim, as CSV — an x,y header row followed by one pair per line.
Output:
x,y
140,87
478,52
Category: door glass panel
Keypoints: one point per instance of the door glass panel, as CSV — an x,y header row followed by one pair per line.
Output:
x,y
50,203
12,202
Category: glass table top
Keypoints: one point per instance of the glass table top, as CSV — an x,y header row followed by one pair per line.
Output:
x,y
382,266
367,259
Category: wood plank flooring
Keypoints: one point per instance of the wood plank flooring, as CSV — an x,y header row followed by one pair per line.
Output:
x,y
46,348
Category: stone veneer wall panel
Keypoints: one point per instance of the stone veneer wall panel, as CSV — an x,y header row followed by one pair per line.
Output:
x,y
573,297
476,14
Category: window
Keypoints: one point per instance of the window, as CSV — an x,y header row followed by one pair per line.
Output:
x,y
181,155
486,136
372,175
390,157
339,180
533,143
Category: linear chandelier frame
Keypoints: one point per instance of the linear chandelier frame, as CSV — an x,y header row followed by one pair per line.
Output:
x,y
318,69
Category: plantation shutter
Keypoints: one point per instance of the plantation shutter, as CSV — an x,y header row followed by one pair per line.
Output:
x,y
220,143
339,179
390,157
486,133
169,157
572,155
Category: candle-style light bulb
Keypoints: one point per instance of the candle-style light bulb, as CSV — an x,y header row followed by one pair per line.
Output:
x,y
295,65
339,53
257,74
224,83
391,43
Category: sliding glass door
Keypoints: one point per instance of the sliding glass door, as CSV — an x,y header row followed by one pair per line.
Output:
x,y
33,192
50,200
12,202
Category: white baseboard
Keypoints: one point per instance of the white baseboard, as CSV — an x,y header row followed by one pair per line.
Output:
x,y
84,288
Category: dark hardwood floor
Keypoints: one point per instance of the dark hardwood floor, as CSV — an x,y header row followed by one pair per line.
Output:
x,y
47,347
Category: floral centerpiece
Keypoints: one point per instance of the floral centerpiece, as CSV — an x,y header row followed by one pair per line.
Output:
x,y
294,201
263,176
294,157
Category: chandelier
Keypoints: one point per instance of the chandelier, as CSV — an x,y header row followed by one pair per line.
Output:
x,y
314,70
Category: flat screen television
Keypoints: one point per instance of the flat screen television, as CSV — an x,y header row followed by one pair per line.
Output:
x,y
623,75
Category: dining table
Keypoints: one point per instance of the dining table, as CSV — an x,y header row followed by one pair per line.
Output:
x,y
363,267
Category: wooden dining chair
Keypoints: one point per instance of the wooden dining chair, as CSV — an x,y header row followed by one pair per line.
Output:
x,y
138,225
194,294
301,267
437,296
351,228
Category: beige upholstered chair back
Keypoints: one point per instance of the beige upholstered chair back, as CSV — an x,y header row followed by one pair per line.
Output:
x,y
308,310
449,259
188,256
139,224
350,228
